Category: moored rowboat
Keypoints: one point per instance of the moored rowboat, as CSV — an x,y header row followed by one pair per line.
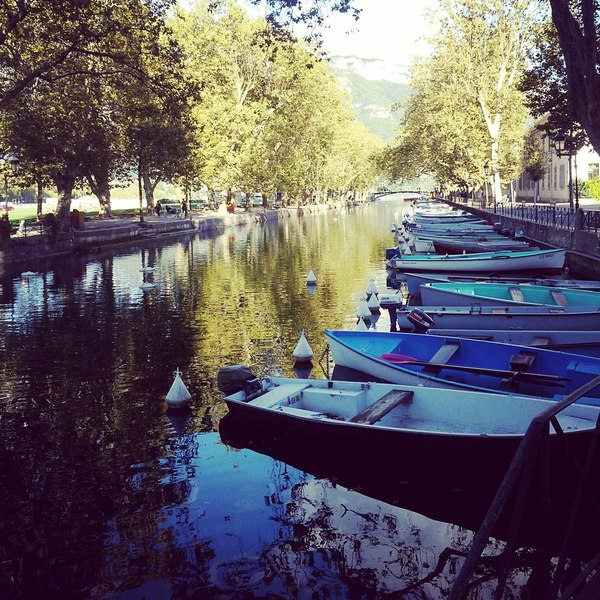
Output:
x,y
431,426
459,363
485,262
505,294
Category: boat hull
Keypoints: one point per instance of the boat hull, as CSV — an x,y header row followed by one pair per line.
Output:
x,y
482,263
501,294
458,433
370,352
484,318
415,280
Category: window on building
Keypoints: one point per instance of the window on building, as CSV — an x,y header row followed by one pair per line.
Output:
x,y
561,177
593,171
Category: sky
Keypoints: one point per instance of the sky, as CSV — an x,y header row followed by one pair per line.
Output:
x,y
391,30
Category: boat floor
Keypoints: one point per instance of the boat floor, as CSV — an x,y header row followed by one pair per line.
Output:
x,y
398,418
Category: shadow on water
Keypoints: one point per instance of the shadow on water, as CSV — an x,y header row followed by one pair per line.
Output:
x,y
103,494
450,494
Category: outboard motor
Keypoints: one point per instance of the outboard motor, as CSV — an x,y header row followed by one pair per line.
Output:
x,y
420,320
233,379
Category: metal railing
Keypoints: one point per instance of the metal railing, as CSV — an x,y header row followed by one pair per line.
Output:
x,y
549,581
553,215
25,228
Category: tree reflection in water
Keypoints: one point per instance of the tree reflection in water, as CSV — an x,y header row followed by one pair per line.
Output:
x,y
235,523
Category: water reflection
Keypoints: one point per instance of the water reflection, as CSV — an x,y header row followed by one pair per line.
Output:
x,y
106,495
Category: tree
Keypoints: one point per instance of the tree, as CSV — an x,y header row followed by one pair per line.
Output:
x,y
578,28
466,110
38,38
546,87
80,136
491,40
534,160
310,12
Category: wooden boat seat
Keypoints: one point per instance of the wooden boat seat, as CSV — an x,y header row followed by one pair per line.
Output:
x,y
516,294
521,361
442,356
278,394
382,407
559,298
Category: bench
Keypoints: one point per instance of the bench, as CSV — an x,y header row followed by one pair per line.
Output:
x,y
442,356
382,407
516,294
559,298
278,394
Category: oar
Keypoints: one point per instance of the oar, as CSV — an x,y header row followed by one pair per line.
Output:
x,y
541,378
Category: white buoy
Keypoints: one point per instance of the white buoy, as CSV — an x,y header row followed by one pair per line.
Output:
x,y
373,303
372,288
363,309
178,396
147,270
311,278
303,351
361,325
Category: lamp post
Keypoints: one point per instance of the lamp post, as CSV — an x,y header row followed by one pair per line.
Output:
x,y
564,147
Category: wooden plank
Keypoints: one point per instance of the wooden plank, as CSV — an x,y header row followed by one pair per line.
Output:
x,y
559,298
516,294
382,407
442,356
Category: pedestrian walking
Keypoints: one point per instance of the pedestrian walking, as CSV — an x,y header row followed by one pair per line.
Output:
x,y
184,208
157,208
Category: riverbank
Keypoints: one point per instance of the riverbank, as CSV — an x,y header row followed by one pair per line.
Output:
x,y
95,234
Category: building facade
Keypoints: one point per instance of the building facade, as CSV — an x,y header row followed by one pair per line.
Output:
x,y
558,178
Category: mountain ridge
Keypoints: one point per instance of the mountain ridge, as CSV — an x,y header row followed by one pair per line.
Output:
x,y
375,86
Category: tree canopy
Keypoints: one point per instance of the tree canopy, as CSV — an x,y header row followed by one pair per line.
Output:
x,y
198,95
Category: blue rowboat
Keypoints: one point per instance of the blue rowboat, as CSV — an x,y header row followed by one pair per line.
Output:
x,y
504,294
484,262
460,363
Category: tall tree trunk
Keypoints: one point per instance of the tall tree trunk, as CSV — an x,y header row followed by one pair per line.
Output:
x,y
65,181
99,184
579,47
149,186
39,194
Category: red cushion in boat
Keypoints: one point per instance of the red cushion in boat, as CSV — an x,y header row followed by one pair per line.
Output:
x,y
397,358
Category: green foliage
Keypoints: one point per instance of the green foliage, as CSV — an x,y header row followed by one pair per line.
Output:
x,y
466,110
270,114
545,86
593,188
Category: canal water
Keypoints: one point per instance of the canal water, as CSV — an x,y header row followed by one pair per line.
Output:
x,y
106,494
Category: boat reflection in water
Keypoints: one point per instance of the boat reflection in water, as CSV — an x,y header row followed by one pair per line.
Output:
x,y
457,502
346,535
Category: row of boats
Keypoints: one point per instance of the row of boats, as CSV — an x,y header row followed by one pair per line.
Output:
x,y
460,377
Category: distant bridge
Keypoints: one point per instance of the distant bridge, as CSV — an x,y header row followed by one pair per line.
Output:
x,y
381,193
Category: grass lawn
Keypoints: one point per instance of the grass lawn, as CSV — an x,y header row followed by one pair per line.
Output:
x,y
28,213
